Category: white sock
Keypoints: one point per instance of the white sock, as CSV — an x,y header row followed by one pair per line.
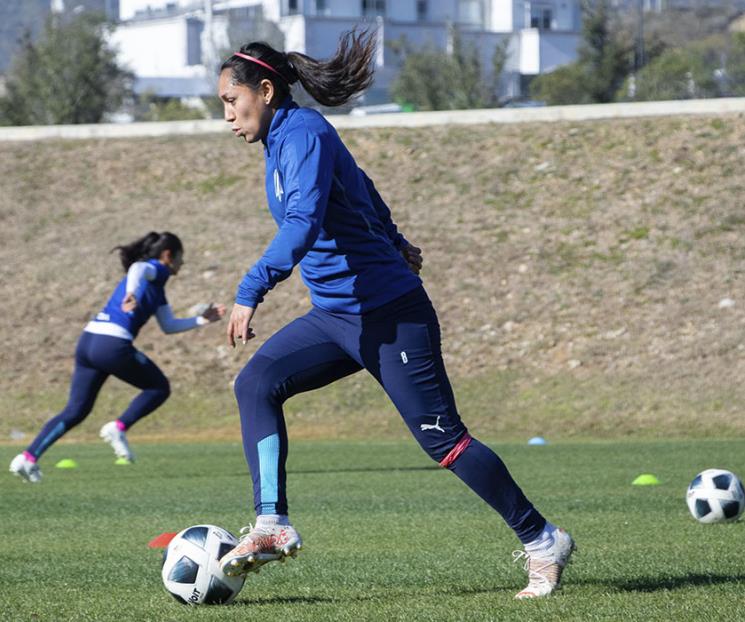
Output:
x,y
543,542
270,520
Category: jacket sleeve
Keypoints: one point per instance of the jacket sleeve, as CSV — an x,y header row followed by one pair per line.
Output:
x,y
384,213
170,324
306,166
138,275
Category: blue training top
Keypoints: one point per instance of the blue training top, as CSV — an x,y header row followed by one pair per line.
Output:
x,y
150,296
331,221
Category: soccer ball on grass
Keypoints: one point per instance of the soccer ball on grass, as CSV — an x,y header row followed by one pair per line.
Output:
x,y
716,496
191,570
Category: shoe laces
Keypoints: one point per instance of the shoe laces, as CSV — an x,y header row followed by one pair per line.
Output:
x,y
250,531
535,575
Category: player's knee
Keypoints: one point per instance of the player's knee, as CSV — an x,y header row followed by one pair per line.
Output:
x,y
257,381
165,389
75,413
438,439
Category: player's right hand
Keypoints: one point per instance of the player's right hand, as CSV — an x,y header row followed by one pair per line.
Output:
x,y
239,324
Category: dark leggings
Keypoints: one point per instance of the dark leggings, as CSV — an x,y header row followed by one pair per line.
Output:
x,y
399,344
96,358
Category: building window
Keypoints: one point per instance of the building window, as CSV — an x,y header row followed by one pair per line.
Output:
x,y
373,8
421,10
194,28
540,18
322,7
292,7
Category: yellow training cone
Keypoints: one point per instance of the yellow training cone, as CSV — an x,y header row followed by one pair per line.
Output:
x,y
67,463
645,479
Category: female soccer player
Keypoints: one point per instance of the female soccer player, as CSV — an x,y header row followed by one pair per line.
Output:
x,y
105,348
369,309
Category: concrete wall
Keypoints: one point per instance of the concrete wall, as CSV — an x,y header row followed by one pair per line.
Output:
x,y
415,119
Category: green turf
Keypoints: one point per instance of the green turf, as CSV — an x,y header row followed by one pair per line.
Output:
x,y
388,536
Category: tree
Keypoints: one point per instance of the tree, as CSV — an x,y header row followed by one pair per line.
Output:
x,y
679,73
69,76
563,86
431,79
603,57
601,66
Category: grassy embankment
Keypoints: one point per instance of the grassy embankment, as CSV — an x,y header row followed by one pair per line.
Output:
x,y
577,270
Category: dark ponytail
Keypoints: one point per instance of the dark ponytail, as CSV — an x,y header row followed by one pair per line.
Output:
x,y
332,82
148,247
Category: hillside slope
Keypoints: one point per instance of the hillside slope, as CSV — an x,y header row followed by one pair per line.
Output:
x,y
578,271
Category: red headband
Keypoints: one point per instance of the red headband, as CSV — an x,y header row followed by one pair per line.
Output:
x,y
258,62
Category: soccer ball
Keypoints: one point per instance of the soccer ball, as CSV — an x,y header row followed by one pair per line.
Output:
x,y
716,496
191,572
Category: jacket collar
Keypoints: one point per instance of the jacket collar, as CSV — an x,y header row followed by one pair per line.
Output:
x,y
275,127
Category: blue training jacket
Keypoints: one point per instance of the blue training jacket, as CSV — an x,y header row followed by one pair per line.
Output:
x,y
152,294
331,221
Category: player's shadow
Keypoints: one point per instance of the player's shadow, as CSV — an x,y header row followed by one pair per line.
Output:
x,y
309,600
282,600
654,584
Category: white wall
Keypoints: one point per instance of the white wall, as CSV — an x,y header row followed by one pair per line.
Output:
x,y
530,51
296,40
155,48
502,15
271,8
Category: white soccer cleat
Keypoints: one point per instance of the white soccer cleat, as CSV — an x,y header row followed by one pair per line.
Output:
x,y
118,441
259,545
25,469
545,567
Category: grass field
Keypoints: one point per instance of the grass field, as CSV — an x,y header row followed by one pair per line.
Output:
x,y
388,535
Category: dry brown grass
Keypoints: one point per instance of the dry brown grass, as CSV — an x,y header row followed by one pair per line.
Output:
x,y
577,269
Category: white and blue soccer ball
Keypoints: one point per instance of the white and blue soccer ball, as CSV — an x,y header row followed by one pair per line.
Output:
x,y
716,496
191,570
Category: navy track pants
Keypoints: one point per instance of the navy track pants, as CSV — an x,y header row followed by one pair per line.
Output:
x,y
399,344
96,358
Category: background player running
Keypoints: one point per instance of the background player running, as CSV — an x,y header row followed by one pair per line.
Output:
x,y
105,348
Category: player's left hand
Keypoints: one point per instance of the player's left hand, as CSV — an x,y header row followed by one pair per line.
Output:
x,y
214,312
413,257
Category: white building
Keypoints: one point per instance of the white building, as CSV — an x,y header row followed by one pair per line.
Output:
x,y
174,46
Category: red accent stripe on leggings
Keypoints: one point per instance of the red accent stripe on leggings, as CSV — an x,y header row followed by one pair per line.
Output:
x,y
456,451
